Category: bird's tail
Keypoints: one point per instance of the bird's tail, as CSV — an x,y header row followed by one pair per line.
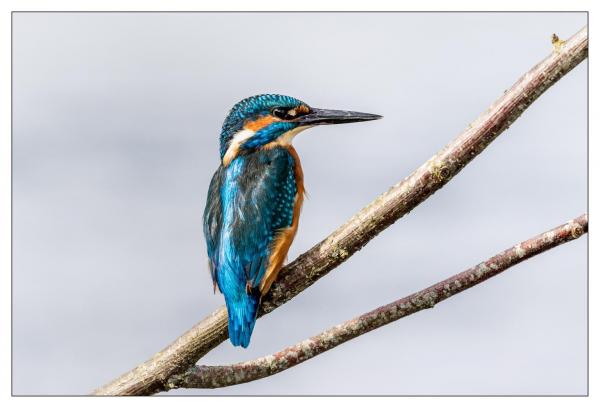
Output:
x,y
242,316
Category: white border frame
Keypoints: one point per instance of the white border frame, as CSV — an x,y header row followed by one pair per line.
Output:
x,y
7,6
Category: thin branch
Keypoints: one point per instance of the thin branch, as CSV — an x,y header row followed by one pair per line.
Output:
x,y
151,376
224,376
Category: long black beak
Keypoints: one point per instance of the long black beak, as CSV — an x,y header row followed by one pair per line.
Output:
x,y
332,117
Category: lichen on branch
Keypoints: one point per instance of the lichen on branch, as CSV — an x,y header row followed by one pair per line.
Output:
x,y
152,376
223,376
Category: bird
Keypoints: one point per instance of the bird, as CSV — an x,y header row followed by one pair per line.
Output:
x,y
254,199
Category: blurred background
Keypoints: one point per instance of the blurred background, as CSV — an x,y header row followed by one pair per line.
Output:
x,y
116,118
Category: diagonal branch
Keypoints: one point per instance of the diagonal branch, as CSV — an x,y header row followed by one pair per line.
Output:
x,y
151,376
223,376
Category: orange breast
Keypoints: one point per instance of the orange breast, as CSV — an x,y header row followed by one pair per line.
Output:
x,y
283,240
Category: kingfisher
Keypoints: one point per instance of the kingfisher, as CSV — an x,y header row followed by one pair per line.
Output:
x,y
254,199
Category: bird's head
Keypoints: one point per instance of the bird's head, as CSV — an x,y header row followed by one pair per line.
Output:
x,y
268,120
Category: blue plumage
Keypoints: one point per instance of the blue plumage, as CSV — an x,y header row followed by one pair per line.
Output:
x,y
251,200
250,108
254,199
268,134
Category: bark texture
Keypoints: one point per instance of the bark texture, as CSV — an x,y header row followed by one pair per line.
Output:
x,y
223,376
152,376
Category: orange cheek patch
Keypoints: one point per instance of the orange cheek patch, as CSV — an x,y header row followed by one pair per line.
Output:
x,y
303,109
259,123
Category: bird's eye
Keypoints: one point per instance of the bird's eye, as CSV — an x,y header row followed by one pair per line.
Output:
x,y
290,114
280,113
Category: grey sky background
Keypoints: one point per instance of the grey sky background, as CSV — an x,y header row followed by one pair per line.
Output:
x,y
115,138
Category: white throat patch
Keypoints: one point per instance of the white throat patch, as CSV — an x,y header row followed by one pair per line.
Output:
x,y
240,137
286,138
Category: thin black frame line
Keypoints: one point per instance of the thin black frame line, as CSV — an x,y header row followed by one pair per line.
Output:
x,y
306,11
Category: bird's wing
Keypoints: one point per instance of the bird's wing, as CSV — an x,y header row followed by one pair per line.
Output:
x,y
213,219
267,194
245,227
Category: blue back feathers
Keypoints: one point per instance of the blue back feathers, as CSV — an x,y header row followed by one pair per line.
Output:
x,y
253,199
248,203
251,108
